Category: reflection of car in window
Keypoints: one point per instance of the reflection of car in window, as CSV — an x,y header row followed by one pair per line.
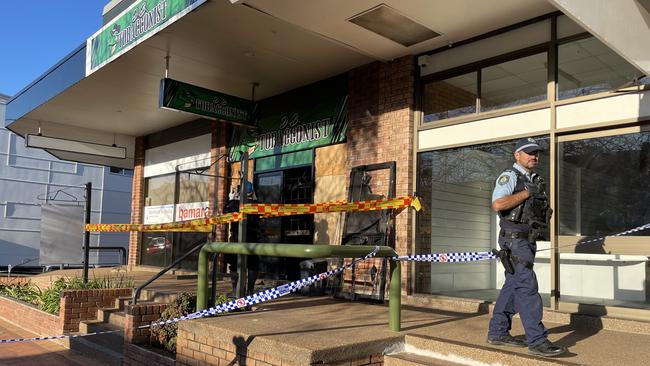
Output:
x,y
158,244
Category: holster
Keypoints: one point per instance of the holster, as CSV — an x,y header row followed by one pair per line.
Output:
x,y
506,259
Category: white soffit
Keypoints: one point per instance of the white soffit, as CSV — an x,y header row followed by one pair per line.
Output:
x,y
218,46
622,25
456,21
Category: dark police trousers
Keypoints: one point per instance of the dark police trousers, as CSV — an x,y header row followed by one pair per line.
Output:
x,y
519,295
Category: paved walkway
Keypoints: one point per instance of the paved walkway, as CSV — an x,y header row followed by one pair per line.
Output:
x,y
321,327
36,353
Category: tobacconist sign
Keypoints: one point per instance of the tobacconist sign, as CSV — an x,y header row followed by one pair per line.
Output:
x,y
138,22
305,125
179,96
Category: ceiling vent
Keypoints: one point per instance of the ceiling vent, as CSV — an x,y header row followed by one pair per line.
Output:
x,y
388,23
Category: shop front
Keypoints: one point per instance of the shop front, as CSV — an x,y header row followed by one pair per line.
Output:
x,y
587,107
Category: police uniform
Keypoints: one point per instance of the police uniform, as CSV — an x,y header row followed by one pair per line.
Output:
x,y
520,293
520,229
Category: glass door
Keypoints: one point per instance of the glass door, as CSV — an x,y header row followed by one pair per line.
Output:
x,y
293,185
603,191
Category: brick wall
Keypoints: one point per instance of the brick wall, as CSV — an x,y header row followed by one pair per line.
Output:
x,y
138,315
137,201
75,306
78,305
381,128
29,317
219,187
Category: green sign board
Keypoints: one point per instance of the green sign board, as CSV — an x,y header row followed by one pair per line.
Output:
x,y
179,96
309,124
137,23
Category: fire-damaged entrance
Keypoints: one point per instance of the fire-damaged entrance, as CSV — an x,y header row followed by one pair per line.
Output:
x,y
369,182
293,185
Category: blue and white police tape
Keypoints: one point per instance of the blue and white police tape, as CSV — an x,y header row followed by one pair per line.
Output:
x,y
49,338
601,238
253,299
264,296
448,257
286,289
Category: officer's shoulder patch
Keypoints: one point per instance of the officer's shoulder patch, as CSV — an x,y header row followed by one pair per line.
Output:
x,y
503,179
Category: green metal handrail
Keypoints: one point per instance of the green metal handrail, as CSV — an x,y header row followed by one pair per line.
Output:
x,y
304,251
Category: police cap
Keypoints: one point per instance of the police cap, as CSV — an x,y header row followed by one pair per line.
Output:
x,y
527,145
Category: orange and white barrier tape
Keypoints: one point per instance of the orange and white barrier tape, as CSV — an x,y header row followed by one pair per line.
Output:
x,y
198,225
266,210
278,209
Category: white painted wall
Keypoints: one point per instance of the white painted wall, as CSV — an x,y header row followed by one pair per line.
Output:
x,y
621,107
187,154
531,123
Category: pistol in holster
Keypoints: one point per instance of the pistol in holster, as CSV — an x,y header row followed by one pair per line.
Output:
x,y
506,259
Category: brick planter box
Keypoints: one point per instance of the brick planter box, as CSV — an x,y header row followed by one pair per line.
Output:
x,y
29,317
75,306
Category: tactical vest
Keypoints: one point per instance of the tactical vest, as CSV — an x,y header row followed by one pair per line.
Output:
x,y
533,213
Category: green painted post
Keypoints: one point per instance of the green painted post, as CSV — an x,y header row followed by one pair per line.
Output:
x,y
395,296
202,285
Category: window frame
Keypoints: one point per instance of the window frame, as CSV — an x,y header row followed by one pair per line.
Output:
x,y
550,47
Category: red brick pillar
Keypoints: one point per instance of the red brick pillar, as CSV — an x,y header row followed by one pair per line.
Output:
x,y
137,201
381,128
219,185
139,315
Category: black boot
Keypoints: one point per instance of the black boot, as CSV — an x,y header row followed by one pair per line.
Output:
x,y
507,340
546,349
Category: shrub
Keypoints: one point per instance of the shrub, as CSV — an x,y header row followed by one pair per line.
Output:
x,y
27,292
50,299
165,336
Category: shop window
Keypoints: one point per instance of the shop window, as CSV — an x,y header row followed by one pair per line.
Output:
x,y
160,190
160,249
450,98
455,186
588,66
603,191
193,188
513,83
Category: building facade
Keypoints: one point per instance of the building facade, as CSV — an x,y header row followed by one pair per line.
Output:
x,y
440,106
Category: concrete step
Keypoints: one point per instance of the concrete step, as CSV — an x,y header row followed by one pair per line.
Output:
x,y
121,301
159,296
456,352
113,341
411,359
92,347
113,316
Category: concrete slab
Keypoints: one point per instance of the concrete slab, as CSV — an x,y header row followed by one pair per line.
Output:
x,y
313,330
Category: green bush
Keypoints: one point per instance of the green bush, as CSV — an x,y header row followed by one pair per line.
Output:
x,y
165,336
27,292
49,299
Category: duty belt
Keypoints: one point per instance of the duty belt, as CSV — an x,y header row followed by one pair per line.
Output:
x,y
513,234
511,257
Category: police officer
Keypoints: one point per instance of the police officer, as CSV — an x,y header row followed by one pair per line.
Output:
x,y
523,208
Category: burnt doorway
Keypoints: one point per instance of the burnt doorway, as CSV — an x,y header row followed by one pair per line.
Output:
x,y
293,185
